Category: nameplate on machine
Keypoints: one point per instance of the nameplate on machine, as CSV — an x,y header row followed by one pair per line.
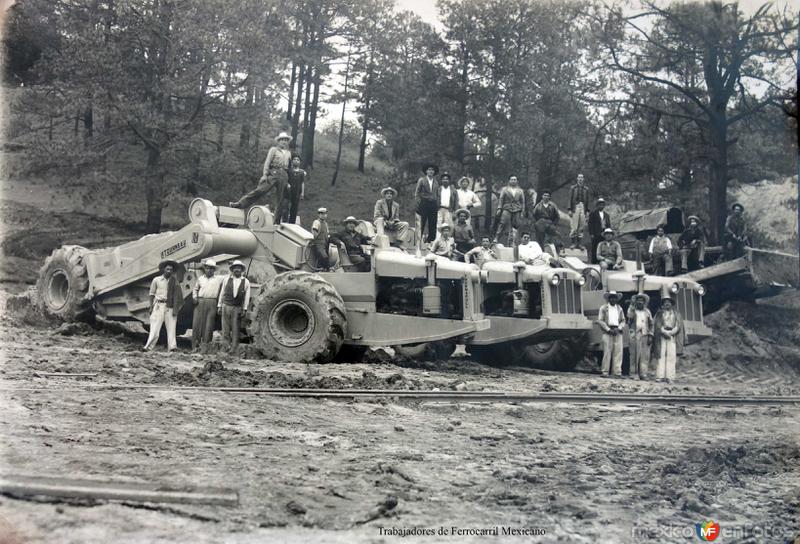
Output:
x,y
173,249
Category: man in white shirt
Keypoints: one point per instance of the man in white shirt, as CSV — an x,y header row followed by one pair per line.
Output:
x,y
234,299
661,253
448,201
467,199
166,299
611,320
530,252
205,296
482,253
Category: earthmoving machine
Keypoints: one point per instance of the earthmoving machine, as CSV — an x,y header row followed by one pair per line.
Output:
x,y
301,313
296,314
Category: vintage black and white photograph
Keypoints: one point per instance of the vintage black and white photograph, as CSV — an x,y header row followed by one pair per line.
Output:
x,y
399,271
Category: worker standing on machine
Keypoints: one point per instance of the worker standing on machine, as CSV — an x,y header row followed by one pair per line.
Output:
x,y
275,177
319,245
297,187
234,299
166,299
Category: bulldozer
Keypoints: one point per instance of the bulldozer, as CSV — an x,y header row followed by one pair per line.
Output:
x,y
298,313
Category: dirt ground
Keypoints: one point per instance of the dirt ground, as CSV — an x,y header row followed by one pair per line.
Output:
x,y
311,470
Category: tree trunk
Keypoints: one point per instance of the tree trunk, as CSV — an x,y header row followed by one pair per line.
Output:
x,y
488,220
290,95
221,122
341,121
153,190
362,146
301,77
244,133
718,187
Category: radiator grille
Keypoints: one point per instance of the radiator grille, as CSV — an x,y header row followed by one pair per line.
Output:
x,y
565,298
689,304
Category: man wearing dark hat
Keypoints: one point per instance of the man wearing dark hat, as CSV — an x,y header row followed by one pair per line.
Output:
x,y
205,296
640,325
598,221
510,209
234,299
578,204
660,252
386,217
611,320
463,234
426,197
692,244
735,236
609,252
166,299
545,219
448,200
351,241
297,187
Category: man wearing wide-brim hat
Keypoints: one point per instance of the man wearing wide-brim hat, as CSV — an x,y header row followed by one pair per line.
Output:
x,y
426,199
692,245
668,339
463,235
735,237
352,242
386,216
640,325
206,297
166,300
609,252
232,304
611,320
274,178
444,245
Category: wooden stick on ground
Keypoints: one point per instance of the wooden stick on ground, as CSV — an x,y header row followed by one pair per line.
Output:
x,y
44,374
39,486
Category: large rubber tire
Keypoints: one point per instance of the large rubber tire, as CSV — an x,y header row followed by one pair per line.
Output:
x,y
504,354
428,351
299,318
351,354
63,285
562,355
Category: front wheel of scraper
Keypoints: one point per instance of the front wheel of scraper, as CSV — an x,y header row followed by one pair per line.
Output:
x,y
63,285
299,318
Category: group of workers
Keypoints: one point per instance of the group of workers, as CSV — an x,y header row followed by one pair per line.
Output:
x,y
658,339
225,295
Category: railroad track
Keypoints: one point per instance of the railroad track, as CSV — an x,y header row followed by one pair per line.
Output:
x,y
437,396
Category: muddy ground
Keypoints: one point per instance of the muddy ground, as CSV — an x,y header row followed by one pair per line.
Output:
x,y
311,470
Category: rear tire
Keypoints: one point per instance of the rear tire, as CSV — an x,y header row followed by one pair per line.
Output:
x,y
299,317
63,285
562,355
504,354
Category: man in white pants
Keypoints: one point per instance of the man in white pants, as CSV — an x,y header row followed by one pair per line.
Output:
x,y
166,299
611,319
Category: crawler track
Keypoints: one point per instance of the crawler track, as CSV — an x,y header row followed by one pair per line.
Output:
x,y
438,396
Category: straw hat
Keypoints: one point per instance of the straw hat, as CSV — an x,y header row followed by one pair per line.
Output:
x,y
388,190
641,296
350,219
609,294
463,211
445,226
608,231
283,136
236,263
210,263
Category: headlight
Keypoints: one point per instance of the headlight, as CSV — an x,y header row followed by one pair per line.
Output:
x,y
674,288
555,279
701,290
581,281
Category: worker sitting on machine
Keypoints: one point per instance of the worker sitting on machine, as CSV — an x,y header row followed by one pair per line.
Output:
x,y
609,252
352,242
445,245
482,253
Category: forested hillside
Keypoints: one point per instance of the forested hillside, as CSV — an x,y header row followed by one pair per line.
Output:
x,y
156,101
